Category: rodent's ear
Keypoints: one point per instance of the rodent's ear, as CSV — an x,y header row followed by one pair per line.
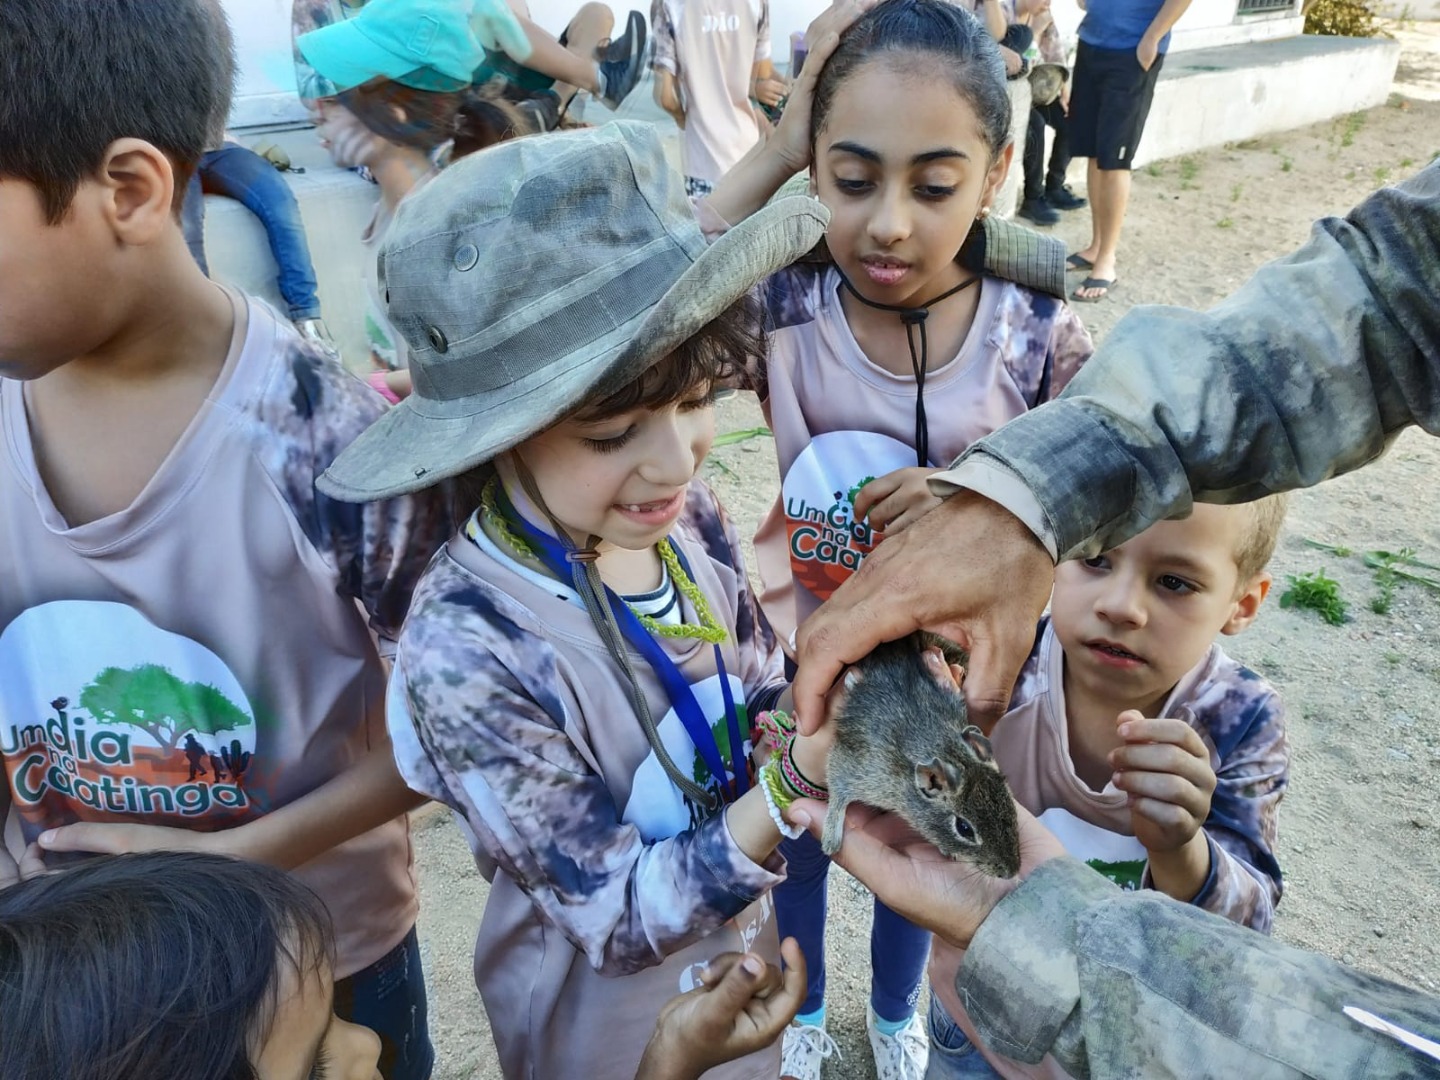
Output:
x,y
936,779
978,743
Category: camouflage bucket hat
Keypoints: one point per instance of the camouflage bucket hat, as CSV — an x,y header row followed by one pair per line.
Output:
x,y
536,273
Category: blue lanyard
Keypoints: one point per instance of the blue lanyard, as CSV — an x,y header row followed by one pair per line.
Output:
x,y
554,556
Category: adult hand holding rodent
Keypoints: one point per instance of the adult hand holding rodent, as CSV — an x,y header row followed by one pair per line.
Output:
x,y
897,500
1165,768
969,570
741,1006
947,896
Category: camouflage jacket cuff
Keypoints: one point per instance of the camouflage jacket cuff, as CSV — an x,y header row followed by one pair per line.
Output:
x,y
1020,980
988,477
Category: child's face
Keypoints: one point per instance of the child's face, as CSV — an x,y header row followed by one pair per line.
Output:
x,y
351,143
1134,620
904,168
44,268
307,1040
623,479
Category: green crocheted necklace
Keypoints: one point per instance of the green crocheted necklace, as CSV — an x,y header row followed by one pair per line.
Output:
x,y
710,629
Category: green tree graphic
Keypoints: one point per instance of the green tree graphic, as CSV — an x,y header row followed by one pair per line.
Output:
x,y
150,698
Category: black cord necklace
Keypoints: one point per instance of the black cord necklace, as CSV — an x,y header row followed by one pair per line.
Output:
x,y
913,317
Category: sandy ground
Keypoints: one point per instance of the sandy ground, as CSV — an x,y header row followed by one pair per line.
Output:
x,y
1360,829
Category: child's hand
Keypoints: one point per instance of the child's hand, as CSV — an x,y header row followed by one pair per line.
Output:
x,y
770,91
742,1006
792,133
1165,767
117,838
895,501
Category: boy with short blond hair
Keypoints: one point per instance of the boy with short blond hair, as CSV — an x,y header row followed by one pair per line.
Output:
x,y
190,634
1151,754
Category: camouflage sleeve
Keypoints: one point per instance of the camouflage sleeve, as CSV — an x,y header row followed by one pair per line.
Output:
x,y
481,686
1070,347
662,33
1044,343
1062,956
762,661
1249,735
1333,350
377,551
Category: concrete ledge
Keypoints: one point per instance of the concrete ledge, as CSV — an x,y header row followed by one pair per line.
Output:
x,y
1208,97
1250,28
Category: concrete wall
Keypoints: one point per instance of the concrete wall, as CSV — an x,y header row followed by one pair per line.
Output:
x,y
1222,95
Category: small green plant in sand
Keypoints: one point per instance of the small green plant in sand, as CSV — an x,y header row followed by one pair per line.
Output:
x,y
730,438
1386,579
1286,164
1154,169
1318,593
1237,193
1189,169
1406,162
1225,223
1382,174
1390,568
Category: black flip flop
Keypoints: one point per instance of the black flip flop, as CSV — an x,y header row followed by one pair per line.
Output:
x,y
1078,262
1093,283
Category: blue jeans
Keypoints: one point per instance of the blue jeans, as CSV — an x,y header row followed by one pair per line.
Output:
x,y
952,1055
898,949
246,177
388,997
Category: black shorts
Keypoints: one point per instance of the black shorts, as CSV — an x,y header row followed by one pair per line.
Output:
x,y
1109,101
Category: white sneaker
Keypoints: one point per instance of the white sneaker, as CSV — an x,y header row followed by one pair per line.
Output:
x,y
803,1051
902,1056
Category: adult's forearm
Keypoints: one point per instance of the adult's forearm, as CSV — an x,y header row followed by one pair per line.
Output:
x,y
1306,372
1168,15
1135,984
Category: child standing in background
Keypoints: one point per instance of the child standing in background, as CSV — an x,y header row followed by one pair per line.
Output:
x,y
1151,754
191,636
711,58
892,350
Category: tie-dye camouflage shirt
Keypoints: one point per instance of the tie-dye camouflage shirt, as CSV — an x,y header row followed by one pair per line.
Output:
x,y
1241,720
612,888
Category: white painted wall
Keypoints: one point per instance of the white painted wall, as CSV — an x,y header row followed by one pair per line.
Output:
x,y
265,90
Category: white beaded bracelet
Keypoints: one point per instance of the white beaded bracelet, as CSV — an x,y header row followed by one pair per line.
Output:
x,y
787,830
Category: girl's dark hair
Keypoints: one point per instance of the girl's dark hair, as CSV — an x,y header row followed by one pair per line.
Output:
x,y
937,28
419,119
485,118
718,354
163,965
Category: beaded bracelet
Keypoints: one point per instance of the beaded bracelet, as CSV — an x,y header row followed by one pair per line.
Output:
x,y
793,777
777,799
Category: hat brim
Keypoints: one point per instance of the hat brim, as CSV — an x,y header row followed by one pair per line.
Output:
x,y
420,442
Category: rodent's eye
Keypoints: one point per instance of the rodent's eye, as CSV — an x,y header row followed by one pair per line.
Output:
x,y
965,830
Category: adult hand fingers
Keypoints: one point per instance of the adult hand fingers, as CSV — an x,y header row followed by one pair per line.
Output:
x,y
996,656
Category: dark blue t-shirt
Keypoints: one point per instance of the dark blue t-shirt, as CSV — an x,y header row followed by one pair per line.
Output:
x,y
1119,24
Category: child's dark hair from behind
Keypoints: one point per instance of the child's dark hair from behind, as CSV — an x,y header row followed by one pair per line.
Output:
x,y
165,964
76,75
936,28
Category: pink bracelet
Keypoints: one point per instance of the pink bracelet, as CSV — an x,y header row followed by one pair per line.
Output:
x,y
793,777
776,727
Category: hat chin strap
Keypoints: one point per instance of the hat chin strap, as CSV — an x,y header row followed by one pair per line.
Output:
x,y
913,317
585,577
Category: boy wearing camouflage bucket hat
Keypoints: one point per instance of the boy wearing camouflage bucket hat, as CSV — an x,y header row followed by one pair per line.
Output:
x,y
583,662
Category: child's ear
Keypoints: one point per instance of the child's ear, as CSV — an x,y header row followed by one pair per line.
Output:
x,y
1247,604
139,191
995,178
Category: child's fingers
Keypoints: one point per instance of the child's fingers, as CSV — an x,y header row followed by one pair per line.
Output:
x,y
1166,788
32,863
1163,758
1166,815
719,967
917,509
1164,729
875,492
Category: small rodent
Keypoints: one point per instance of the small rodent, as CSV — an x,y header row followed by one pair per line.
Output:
x,y
903,743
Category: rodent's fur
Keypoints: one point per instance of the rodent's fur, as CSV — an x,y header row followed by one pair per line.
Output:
x,y
903,743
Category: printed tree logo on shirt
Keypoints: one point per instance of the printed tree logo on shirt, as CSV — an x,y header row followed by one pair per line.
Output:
x,y
1127,874
150,698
